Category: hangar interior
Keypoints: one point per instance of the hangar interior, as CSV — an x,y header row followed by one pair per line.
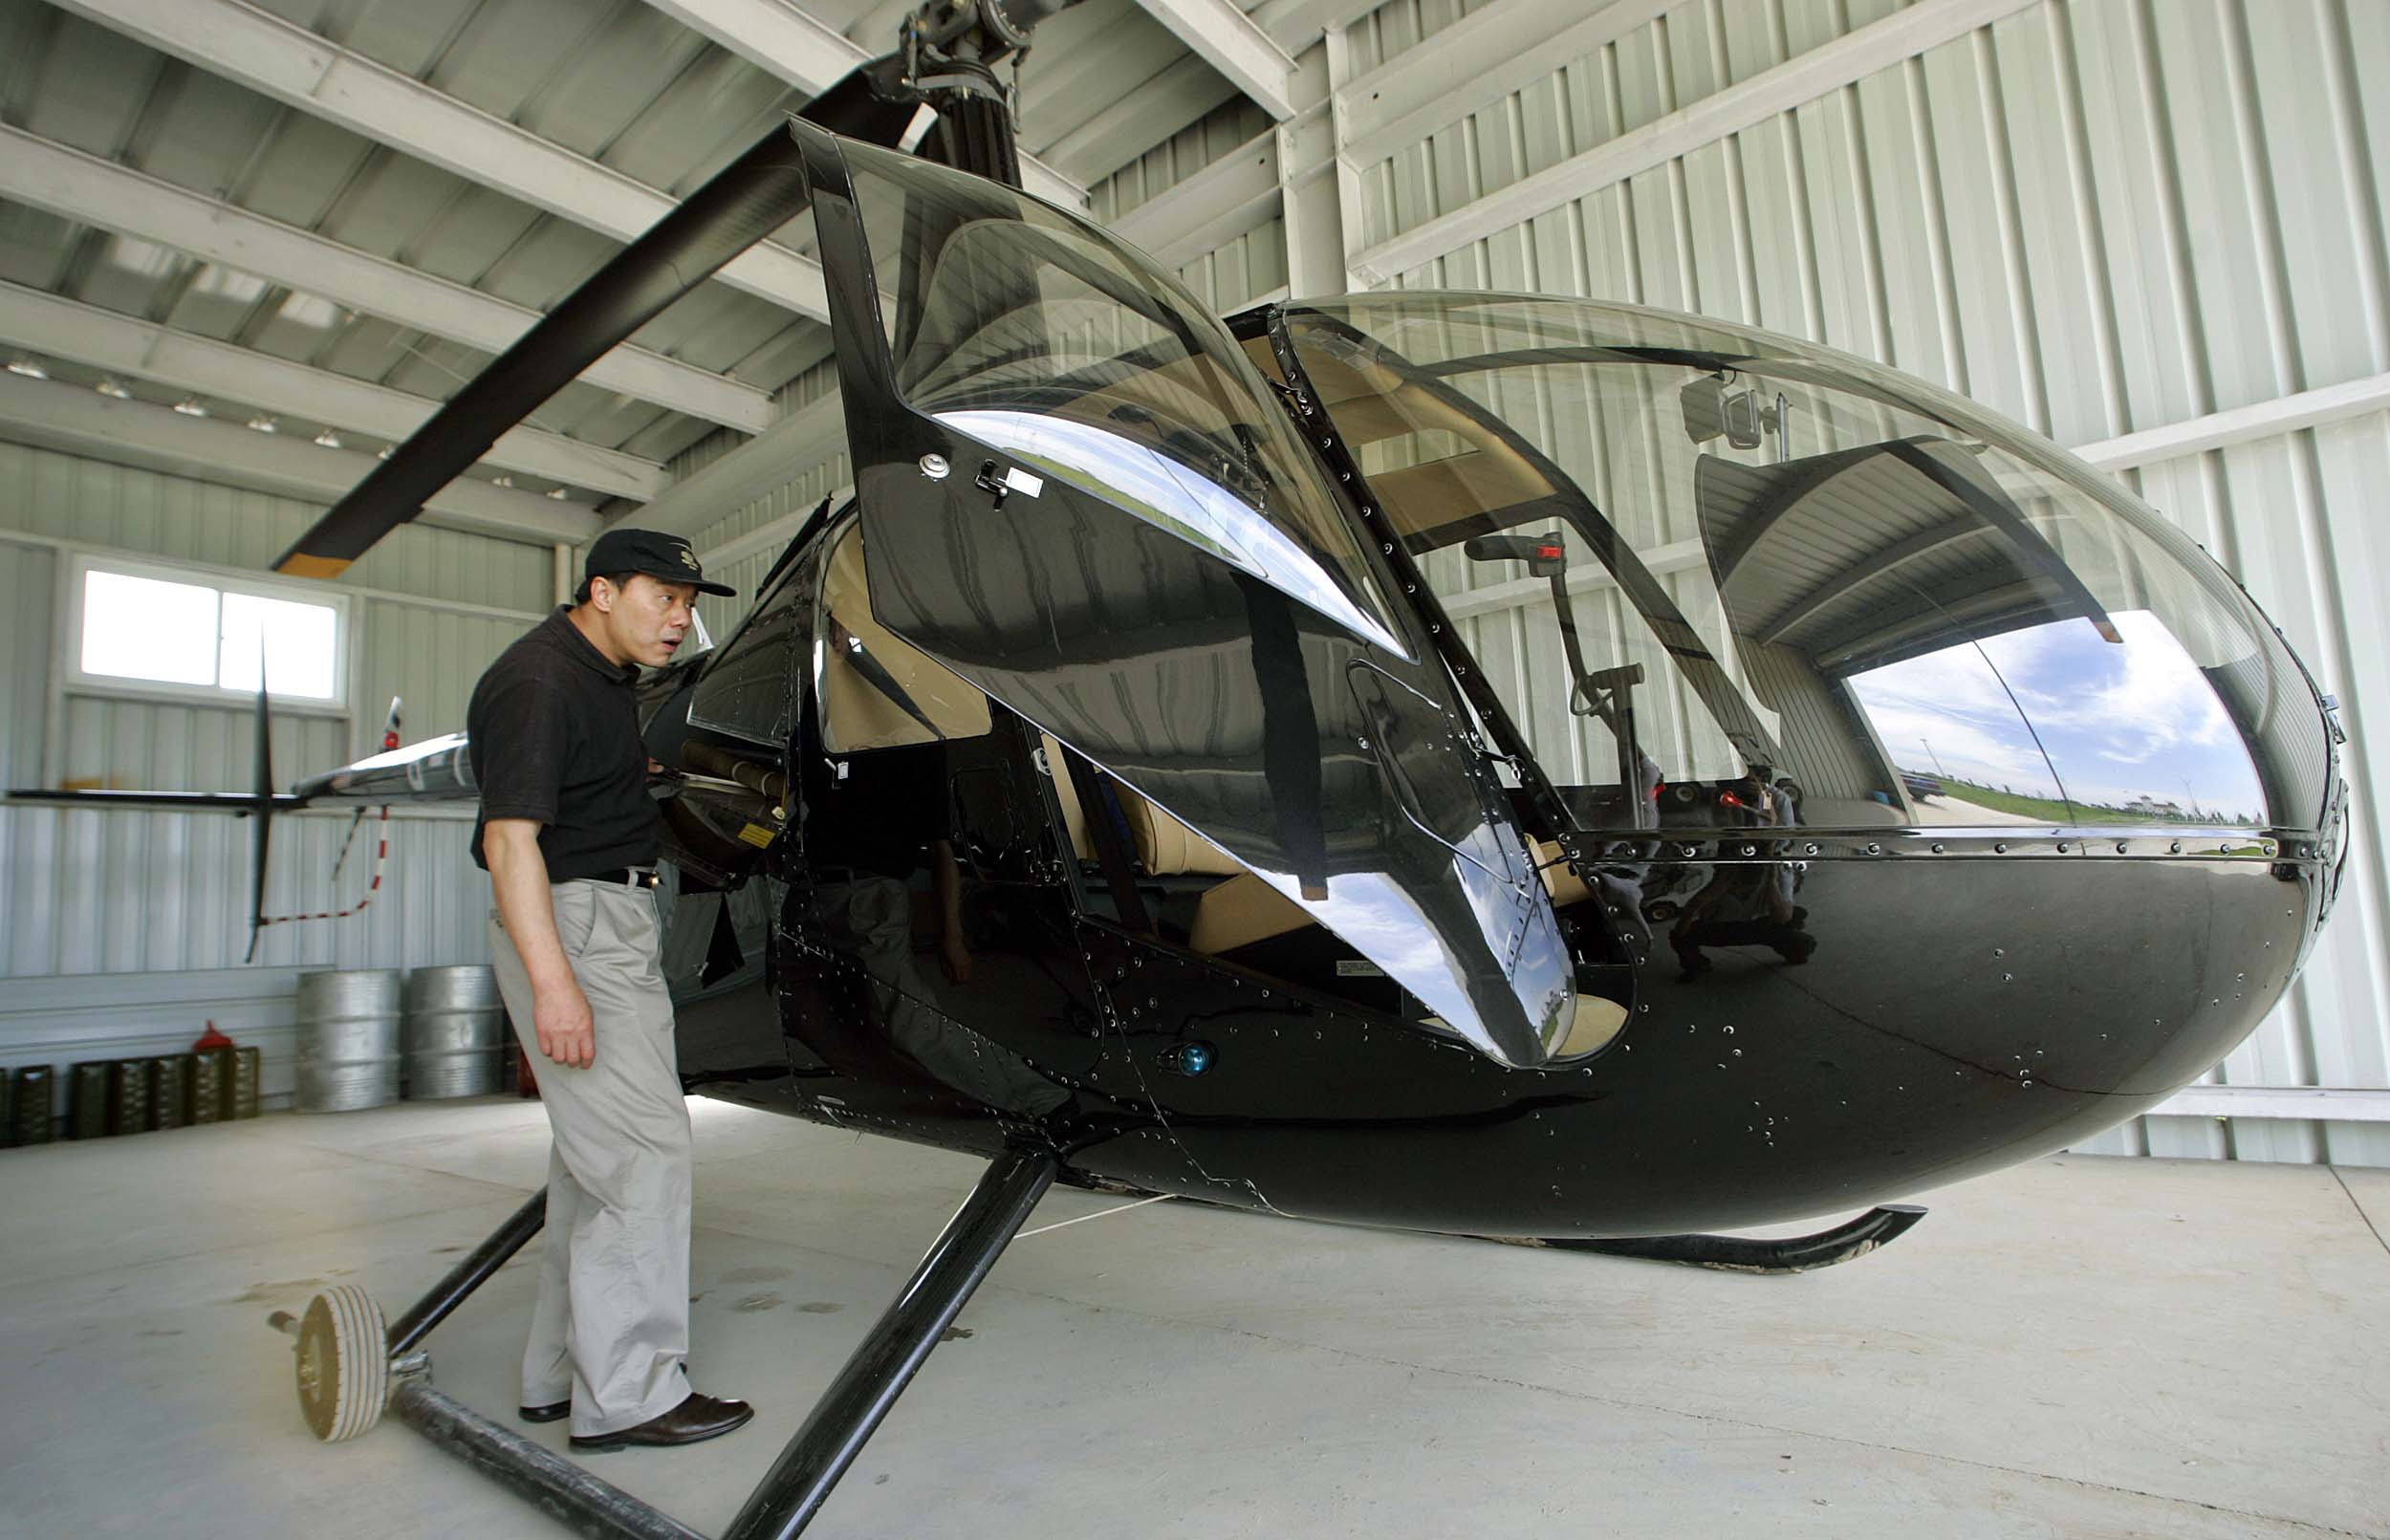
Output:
x,y
249,245
206,239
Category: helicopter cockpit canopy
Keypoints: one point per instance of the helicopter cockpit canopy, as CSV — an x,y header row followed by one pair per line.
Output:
x,y
1079,495
1686,552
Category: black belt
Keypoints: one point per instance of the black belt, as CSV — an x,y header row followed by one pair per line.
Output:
x,y
631,876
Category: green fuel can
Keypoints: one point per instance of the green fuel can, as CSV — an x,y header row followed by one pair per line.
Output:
x,y
128,1097
87,1099
31,1120
243,1101
169,1090
211,1081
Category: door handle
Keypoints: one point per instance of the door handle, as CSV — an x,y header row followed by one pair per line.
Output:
x,y
1008,481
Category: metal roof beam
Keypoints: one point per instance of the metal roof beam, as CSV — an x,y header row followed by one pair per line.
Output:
x,y
789,45
1472,64
790,449
122,344
2319,407
772,537
1155,110
1294,25
1803,78
775,35
293,65
1232,195
84,188
54,416
1230,42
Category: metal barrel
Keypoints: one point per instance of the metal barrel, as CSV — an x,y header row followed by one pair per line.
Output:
x,y
348,1032
455,1033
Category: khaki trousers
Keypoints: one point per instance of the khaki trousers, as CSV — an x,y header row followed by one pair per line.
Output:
x,y
611,1328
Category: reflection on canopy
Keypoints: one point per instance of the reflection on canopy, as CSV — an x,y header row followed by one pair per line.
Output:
x,y
1793,561
1173,496
1052,337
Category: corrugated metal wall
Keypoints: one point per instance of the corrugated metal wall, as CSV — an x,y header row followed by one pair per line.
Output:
x,y
122,933
2100,217
1237,273
792,499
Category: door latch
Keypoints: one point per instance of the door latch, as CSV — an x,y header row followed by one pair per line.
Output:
x,y
1012,479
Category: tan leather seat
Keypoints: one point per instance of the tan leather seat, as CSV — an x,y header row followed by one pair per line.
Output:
x,y
1244,909
1241,911
855,715
1594,1024
1560,878
1165,846
1066,796
1598,1021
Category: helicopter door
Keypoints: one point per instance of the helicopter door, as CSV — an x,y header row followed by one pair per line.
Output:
x,y
721,726
1077,495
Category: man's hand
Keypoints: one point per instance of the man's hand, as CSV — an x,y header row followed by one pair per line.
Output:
x,y
955,953
954,947
527,911
567,1032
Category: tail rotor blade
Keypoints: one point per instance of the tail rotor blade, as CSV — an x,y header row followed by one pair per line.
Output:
x,y
260,840
261,832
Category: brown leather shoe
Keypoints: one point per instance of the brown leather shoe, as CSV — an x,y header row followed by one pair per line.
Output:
x,y
553,1412
694,1420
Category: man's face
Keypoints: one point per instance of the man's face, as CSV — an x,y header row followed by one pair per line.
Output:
x,y
647,618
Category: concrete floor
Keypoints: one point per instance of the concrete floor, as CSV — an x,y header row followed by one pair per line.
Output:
x,y
2081,1347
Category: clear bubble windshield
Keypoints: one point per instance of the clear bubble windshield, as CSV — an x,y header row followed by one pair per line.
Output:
x,y
1684,554
1040,336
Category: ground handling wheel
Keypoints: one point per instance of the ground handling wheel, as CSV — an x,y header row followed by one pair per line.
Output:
x,y
343,1363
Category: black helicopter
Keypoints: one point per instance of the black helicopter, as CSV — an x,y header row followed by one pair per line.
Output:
x,y
1413,759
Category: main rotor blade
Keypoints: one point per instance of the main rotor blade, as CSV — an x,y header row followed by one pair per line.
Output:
x,y
240,802
744,202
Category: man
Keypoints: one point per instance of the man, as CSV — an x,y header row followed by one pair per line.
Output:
x,y
570,837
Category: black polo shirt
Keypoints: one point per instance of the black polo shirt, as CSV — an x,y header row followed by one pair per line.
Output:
x,y
554,737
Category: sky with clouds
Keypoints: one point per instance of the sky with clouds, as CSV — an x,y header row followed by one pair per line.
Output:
x,y
2114,722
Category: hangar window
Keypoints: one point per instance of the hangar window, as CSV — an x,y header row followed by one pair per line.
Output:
x,y
157,630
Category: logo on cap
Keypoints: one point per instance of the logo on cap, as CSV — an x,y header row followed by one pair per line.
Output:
x,y
688,559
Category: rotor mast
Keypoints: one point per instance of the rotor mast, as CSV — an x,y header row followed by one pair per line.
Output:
x,y
951,50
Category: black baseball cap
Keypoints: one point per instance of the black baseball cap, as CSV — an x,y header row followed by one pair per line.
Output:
x,y
653,553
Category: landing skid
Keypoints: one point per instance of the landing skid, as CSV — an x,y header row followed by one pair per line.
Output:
x,y
1735,1253
350,1368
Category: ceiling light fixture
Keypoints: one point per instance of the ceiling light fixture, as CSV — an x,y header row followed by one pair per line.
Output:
x,y
328,439
190,407
502,480
387,450
24,366
109,387
264,424
555,494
